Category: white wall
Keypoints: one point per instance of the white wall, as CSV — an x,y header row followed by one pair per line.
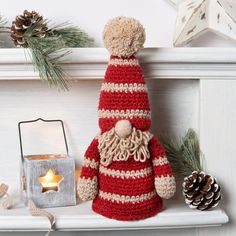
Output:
x,y
158,17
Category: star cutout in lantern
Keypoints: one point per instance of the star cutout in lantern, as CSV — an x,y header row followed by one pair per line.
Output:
x,y
195,17
50,181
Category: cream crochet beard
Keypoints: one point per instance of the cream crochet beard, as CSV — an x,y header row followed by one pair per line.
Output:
x,y
114,148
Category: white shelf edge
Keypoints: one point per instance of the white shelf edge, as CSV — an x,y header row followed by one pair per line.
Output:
x,y
81,218
158,63
90,63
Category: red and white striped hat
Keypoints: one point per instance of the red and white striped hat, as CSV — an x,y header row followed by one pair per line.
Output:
x,y
124,95
124,92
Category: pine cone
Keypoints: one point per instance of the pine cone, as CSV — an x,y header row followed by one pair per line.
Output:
x,y
201,191
23,22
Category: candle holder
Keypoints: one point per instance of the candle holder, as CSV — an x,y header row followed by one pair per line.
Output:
x,y
48,179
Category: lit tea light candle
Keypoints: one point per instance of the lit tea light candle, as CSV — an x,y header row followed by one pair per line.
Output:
x,y
50,181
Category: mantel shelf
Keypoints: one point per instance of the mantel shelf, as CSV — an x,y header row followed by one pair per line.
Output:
x,y
81,218
158,63
90,64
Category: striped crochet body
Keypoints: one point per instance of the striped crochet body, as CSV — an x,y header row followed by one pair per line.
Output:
x,y
125,189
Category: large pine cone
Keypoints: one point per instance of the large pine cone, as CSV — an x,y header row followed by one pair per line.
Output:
x,y
201,191
25,21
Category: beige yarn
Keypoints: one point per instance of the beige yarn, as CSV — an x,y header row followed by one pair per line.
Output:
x,y
123,36
87,189
35,211
165,186
113,148
3,189
8,200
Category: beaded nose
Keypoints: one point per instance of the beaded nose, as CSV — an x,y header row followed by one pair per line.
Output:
x,y
123,128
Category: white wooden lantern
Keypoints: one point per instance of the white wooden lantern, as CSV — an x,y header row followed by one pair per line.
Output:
x,y
48,179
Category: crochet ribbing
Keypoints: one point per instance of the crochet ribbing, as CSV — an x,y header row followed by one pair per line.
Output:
x,y
120,98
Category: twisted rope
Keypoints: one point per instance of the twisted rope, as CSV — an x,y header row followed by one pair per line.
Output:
x,y
33,209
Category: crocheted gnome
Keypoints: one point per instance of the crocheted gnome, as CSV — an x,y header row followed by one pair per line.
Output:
x,y
125,170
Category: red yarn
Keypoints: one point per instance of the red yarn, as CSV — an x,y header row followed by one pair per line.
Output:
x,y
121,101
126,189
128,212
124,74
106,123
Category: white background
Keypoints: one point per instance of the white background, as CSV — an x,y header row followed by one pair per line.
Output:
x,y
157,16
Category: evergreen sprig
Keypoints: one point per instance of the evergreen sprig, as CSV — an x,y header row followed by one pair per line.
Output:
x,y
3,22
46,58
72,35
46,54
3,28
185,155
48,45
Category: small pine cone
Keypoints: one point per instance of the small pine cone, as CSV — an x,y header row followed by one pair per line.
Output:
x,y
25,21
201,191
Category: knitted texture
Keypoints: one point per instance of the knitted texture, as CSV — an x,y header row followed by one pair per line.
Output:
x,y
124,95
127,189
125,170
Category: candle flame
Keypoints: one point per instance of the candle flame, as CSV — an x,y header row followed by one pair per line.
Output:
x,y
49,176
50,181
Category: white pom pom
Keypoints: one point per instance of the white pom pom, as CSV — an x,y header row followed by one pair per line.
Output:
x,y
123,36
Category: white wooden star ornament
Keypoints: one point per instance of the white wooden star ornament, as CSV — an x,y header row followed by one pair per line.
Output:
x,y
195,17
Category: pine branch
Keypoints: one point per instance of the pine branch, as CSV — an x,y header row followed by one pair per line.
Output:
x,y
191,148
35,27
184,156
3,22
46,55
48,46
3,28
72,35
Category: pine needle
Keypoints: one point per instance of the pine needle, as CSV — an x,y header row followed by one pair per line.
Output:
x,y
46,56
185,155
3,28
48,46
3,22
72,35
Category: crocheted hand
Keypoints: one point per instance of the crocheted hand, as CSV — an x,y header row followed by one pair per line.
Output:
x,y
87,187
164,179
